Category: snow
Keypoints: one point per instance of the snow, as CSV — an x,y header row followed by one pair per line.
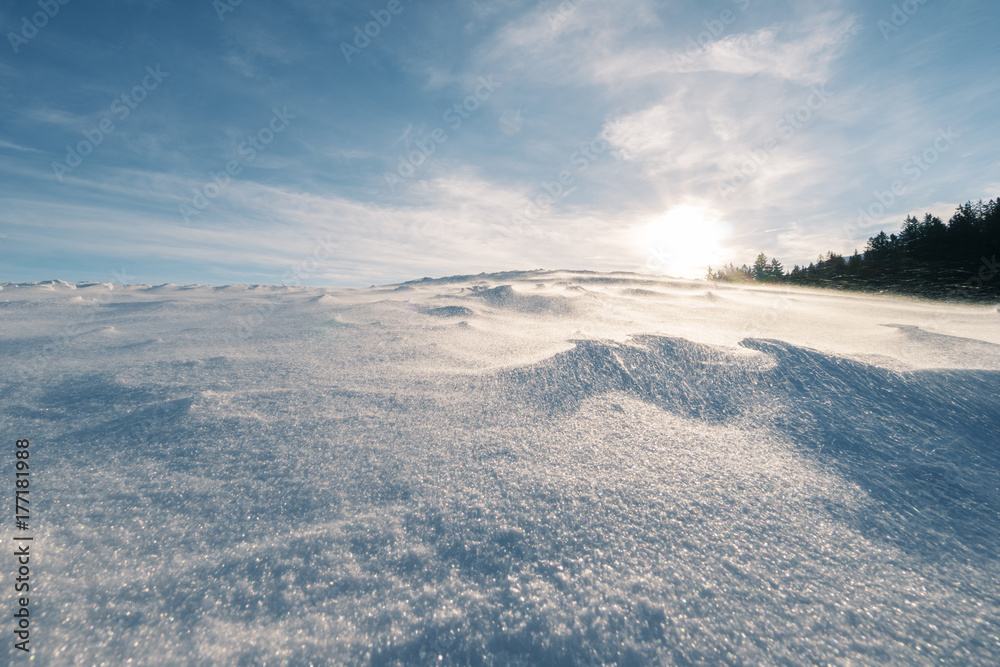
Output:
x,y
519,468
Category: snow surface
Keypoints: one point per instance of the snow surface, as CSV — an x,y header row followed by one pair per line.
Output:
x,y
523,468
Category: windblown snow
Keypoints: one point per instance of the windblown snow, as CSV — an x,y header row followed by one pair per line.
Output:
x,y
526,468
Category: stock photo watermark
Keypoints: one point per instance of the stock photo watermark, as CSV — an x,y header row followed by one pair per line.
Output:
x,y
122,107
899,17
417,155
248,151
294,277
510,122
714,29
30,27
562,12
363,35
562,184
88,313
914,168
787,127
223,7
988,270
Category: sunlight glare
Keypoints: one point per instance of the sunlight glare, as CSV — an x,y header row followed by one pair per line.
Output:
x,y
684,241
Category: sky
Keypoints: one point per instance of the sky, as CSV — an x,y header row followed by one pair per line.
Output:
x,y
359,143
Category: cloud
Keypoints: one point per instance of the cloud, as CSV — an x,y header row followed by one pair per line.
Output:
x,y
618,45
17,147
722,114
802,52
680,122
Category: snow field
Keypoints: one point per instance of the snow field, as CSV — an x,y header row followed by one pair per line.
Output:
x,y
536,468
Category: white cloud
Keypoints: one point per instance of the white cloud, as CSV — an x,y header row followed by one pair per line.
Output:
x,y
17,147
805,54
625,43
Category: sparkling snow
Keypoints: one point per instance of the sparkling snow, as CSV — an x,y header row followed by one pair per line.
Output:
x,y
524,468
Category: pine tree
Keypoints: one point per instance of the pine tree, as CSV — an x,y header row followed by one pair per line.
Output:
x,y
760,269
775,270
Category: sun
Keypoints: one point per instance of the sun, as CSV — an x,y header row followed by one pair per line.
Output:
x,y
684,241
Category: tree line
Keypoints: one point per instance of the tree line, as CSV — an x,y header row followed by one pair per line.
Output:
x,y
926,258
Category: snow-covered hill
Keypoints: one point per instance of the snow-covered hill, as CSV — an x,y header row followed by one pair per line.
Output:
x,y
522,468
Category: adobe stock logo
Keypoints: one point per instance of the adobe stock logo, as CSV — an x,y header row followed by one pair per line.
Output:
x,y
29,29
899,17
417,156
915,167
788,126
223,7
248,151
563,11
562,185
122,107
372,29
713,31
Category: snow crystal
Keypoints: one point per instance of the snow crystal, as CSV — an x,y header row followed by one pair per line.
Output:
x,y
587,469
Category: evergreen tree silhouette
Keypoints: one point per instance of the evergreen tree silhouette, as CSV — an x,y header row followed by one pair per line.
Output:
x,y
927,258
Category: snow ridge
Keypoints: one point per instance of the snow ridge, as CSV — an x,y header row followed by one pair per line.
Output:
x,y
526,468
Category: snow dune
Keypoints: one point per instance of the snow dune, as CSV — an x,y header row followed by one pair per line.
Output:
x,y
519,468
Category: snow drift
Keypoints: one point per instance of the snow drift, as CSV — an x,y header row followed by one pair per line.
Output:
x,y
524,468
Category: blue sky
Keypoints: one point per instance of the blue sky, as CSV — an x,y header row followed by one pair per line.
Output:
x,y
634,135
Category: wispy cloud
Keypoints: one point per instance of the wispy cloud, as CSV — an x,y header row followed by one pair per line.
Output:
x,y
694,111
17,147
801,51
